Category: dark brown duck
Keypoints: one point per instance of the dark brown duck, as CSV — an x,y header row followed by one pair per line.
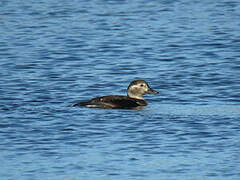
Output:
x,y
133,100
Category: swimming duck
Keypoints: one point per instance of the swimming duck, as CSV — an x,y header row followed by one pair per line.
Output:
x,y
133,100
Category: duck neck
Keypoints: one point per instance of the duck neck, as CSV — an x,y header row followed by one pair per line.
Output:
x,y
135,96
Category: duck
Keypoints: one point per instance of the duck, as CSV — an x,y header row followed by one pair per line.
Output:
x,y
133,100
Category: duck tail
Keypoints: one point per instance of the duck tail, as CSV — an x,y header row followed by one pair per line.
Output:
x,y
79,104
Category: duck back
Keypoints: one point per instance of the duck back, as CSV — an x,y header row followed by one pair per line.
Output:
x,y
113,102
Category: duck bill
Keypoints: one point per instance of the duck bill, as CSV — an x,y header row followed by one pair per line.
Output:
x,y
151,91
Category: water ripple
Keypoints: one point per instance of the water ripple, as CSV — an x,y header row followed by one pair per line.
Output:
x,y
54,54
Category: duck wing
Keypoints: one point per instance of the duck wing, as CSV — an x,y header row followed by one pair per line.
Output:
x,y
113,102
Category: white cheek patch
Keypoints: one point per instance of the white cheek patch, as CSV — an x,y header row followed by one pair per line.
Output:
x,y
134,87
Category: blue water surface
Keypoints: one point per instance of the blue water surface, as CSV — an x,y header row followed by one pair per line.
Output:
x,y
57,53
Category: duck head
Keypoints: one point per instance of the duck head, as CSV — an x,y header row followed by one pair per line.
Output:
x,y
138,88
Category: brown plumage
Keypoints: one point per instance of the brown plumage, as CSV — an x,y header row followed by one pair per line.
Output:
x,y
133,100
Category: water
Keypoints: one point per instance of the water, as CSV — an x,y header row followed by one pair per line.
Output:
x,y
56,53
